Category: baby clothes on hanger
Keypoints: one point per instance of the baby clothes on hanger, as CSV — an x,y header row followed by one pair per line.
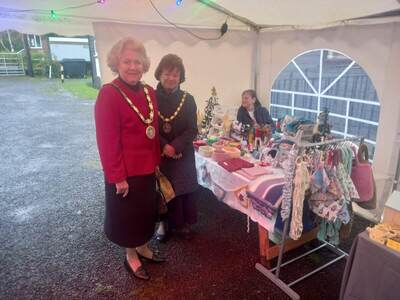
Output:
x,y
301,184
327,201
329,231
347,157
288,186
319,179
349,190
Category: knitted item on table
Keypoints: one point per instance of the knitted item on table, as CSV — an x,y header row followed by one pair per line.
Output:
x,y
235,164
268,204
255,171
265,193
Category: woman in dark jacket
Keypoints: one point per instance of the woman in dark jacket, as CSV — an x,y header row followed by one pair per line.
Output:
x,y
178,129
252,112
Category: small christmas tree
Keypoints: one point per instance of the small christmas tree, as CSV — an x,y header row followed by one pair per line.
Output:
x,y
209,110
322,128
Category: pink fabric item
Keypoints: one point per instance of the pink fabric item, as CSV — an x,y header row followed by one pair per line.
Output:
x,y
220,155
235,164
244,174
362,177
257,171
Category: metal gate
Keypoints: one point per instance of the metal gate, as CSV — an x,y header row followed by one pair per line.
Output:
x,y
12,64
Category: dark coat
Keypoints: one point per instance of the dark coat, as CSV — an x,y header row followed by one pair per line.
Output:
x,y
181,172
260,113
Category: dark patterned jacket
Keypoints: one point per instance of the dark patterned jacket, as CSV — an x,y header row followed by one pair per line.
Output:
x,y
181,172
260,113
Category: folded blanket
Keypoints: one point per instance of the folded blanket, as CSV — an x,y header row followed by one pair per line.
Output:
x,y
268,205
257,171
235,164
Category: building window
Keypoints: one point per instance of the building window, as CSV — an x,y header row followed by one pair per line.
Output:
x,y
34,41
325,79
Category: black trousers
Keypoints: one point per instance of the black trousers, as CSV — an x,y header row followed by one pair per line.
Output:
x,y
182,210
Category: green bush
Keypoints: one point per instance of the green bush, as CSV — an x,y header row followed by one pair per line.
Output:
x,y
41,64
55,69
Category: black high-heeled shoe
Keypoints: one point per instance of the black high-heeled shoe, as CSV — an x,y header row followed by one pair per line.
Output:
x,y
140,273
163,238
155,258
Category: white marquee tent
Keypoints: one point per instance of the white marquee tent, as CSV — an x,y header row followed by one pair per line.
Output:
x,y
263,37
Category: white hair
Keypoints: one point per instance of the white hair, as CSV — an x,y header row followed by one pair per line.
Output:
x,y
127,43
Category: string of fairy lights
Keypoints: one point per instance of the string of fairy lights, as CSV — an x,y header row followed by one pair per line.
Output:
x,y
55,15
54,12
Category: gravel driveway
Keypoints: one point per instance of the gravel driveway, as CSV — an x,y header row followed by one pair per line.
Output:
x,y
51,202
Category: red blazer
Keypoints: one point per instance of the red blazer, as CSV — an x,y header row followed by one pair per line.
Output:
x,y
124,148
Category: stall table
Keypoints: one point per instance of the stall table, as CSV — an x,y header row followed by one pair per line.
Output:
x,y
372,271
226,186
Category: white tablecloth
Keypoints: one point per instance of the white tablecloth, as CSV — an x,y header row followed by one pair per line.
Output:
x,y
226,186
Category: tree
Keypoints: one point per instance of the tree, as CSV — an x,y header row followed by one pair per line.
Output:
x,y
209,110
16,41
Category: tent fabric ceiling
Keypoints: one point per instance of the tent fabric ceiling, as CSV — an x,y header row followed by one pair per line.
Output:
x,y
268,13
34,16
191,13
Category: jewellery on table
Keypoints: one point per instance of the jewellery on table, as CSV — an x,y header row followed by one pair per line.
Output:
x,y
167,127
150,130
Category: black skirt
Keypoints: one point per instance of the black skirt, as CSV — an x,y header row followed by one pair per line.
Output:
x,y
130,221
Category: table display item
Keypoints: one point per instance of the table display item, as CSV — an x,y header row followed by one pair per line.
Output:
x,y
212,102
206,151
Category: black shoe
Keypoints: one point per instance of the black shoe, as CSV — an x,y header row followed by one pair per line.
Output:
x,y
163,238
140,273
155,258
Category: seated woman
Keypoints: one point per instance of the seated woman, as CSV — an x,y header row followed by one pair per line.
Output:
x,y
251,112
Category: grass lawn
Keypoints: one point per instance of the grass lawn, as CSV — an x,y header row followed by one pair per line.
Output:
x,y
80,88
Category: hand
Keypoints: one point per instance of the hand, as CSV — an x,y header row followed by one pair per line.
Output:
x,y
177,156
169,150
122,188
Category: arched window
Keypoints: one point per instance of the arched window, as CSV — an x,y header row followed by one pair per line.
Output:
x,y
325,79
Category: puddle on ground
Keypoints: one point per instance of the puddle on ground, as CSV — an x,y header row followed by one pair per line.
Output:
x,y
23,214
93,164
51,114
47,146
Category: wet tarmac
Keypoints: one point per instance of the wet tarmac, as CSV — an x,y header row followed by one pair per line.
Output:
x,y
52,204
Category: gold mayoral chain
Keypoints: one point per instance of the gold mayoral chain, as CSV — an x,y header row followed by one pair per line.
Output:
x,y
150,130
167,121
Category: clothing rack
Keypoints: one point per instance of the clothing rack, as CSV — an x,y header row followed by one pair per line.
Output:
x,y
274,277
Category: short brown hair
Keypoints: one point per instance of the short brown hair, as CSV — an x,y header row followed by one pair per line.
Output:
x,y
170,62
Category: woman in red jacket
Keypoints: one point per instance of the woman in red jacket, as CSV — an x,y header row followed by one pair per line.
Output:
x,y
128,142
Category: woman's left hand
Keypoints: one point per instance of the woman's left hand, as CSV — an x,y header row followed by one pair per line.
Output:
x,y
169,150
122,188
